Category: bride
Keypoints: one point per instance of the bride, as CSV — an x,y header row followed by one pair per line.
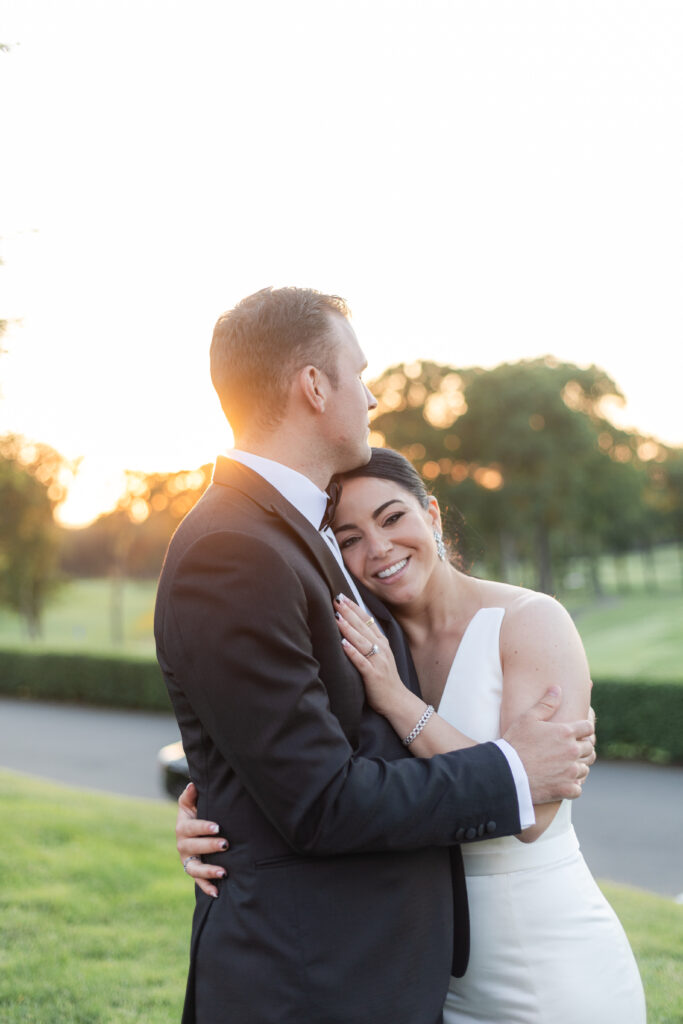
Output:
x,y
545,946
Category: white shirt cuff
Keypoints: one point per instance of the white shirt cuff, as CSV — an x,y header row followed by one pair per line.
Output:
x,y
526,807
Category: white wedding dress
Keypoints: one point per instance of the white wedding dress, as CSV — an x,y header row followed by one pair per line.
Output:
x,y
546,947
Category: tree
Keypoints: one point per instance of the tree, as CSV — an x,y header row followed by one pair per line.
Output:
x,y
664,494
150,508
523,449
29,540
132,540
136,534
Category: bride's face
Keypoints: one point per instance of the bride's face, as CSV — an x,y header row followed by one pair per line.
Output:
x,y
387,538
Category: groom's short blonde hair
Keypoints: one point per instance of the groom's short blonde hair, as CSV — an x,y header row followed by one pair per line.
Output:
x,y
258,346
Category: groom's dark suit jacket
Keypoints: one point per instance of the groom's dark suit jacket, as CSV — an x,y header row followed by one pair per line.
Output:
x,y
345,900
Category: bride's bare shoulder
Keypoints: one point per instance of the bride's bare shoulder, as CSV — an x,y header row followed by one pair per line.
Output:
x,y
522,606
505,595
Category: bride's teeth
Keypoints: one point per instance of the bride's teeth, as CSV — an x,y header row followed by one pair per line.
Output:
x,y
392,569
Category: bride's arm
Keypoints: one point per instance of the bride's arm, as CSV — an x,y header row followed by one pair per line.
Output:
x,y
540,647
385,691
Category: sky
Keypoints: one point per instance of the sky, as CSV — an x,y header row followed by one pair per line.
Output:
x,y
483,182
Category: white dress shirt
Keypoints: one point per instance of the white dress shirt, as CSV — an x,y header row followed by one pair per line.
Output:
x,y
304,495
311,502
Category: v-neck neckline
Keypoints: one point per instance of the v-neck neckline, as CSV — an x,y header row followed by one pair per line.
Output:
x,y
460,646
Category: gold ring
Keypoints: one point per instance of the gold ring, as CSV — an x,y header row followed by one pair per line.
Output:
x,y
369,622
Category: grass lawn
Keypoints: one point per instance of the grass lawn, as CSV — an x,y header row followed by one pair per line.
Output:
x,y
78,619
655,930
94,913
637,636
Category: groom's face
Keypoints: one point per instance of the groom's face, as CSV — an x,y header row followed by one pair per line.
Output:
x,y
346,414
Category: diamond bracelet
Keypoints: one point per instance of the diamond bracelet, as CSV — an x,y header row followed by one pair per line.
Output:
x,y
419,727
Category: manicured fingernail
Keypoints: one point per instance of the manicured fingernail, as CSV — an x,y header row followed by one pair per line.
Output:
x,y
337,615
220,874
345,642
213,894
214,828
340,599
223,845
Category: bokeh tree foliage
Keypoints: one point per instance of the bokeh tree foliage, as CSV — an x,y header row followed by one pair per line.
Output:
x,y
526,452
132,539
32,483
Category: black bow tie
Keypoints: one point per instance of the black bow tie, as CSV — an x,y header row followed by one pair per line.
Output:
x,y
333,495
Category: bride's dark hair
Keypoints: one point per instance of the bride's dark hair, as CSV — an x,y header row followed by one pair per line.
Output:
x,y
387,464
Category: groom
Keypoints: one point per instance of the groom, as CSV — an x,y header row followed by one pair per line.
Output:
x,y
344,900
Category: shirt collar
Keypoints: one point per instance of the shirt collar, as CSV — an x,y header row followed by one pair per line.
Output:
x,y
299,491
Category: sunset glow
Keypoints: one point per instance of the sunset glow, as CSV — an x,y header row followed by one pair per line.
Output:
x,y
95,489
511,190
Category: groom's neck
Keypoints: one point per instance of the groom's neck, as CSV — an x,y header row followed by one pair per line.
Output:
x,y
290,450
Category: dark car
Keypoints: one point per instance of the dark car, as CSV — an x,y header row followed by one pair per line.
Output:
x,y
174,770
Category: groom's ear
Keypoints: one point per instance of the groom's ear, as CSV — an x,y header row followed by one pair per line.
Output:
x,y
313,387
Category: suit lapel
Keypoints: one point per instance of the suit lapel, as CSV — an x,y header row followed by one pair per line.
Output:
x,y
256,489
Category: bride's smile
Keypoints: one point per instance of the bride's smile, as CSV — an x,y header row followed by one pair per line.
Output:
x,y
385,574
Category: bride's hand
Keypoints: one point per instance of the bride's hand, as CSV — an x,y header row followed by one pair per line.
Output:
x,y
368,649
194,838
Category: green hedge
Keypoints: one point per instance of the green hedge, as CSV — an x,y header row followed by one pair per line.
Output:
x,y
635,720
84,679
639,720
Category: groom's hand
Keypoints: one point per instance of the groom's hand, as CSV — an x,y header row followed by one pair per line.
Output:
x,y
555,755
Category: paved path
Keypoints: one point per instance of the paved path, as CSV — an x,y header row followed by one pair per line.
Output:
x,y
97,748
630,825
629,819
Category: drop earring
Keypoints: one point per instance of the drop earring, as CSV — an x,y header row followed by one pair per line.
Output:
x,y
440,546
